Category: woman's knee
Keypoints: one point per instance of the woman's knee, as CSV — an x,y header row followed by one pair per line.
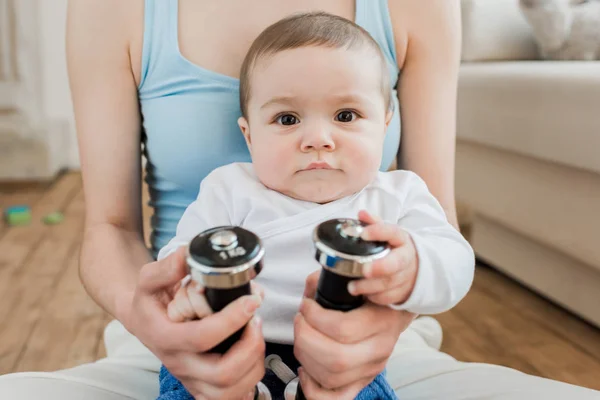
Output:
x,y
435,376
93,381
35,386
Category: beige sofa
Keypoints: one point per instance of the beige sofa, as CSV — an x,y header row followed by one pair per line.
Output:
x,y
528,158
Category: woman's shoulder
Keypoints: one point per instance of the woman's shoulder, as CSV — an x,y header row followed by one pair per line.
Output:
x,y
112,28
116,18
415,22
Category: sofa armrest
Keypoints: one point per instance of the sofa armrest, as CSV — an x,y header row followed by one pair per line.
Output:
x,y
495,30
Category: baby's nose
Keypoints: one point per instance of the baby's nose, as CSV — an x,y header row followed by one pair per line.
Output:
x,y
317,139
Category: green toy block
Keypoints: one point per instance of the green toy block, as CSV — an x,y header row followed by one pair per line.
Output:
x,y
18,215
54,218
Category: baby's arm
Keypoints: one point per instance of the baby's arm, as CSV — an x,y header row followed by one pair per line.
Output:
x,y
430,267
446,261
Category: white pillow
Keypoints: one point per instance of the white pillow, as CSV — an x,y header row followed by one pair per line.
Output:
x,y
495,30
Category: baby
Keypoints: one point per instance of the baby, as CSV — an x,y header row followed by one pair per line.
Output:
x,y
316,101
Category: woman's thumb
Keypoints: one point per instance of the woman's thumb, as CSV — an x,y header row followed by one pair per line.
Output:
x,y
164,273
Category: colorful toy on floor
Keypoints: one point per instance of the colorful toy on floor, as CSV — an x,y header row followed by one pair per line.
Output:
x,y
54,218
17,215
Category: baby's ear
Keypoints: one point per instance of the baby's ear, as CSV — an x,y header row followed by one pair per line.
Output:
x,y
245,127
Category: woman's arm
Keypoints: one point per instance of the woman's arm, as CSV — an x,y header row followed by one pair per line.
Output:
x,y
428,43
108,128
116,267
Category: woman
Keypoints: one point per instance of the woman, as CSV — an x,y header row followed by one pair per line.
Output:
x,y
171,66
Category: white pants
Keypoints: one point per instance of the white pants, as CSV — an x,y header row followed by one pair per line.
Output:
x,y
415,370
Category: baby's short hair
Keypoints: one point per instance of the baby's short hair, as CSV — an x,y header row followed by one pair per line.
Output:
x,y
303,30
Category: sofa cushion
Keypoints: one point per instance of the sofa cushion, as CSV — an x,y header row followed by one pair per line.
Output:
x,y
554,205
495,30
568,282
543,109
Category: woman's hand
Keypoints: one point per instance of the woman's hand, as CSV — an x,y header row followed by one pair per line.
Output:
x,y
182,346
342,352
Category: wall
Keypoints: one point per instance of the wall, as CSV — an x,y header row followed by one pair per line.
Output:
x,y
56,97
37,130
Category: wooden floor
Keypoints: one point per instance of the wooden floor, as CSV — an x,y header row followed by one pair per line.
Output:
x,y
49,322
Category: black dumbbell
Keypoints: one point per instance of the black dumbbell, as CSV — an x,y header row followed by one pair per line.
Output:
x,y
225,260
342,254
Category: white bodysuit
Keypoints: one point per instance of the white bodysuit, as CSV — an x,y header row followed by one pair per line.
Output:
x,y
233,195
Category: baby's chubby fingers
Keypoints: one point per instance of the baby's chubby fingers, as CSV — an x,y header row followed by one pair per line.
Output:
x,y
374,286
257,289
190,302
385,232
367,218
396,261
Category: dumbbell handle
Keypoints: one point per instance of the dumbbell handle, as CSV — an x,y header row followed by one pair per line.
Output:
x,y
332,292
218,299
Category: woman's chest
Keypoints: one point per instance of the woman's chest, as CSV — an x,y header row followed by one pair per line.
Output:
x,y
217,34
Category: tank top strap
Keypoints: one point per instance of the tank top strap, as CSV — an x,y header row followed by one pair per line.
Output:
x,y
374,17
160,43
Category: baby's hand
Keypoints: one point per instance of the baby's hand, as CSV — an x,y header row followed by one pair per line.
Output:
x,y
189,301
389,280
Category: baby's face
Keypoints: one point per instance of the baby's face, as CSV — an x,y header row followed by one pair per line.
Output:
x,y
317,118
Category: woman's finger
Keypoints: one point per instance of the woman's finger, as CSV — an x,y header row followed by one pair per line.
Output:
x,y
242,384
345,327
313,391
248,350
199,336
224,370
312,364
336,357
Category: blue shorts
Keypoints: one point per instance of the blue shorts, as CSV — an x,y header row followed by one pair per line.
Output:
x,y
172,389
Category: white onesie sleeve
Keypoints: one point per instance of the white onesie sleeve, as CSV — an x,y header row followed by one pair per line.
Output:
x,y
209,210
446,259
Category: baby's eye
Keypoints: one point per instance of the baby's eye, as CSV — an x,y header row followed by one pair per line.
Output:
x,y
345,116
287,119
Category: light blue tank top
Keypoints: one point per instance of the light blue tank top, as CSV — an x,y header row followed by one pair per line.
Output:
x,y
190,113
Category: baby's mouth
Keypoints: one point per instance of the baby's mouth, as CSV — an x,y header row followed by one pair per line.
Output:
x,y
317,165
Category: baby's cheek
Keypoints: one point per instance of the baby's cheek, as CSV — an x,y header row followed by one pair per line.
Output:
x,y
363,162
365,155
273,163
